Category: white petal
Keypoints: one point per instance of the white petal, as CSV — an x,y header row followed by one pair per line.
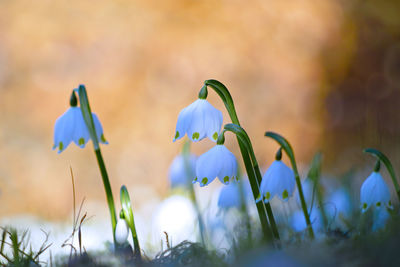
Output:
x,y
182,123
208,166
196,130
121,231
81,133
228,169
213,122
64,129
99,129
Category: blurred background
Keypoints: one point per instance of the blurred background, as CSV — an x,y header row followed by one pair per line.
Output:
x,y
325,74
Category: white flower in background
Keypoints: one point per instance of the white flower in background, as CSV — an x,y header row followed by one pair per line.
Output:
x,y
198,120
278,180
375,192
234,195
216,162
182,170
339,204
121,231
71,127
298,222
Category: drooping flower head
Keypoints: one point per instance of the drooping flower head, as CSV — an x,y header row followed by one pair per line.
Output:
x,y
234,195
71,127
278,180
199,120
375,191
216,162
182,170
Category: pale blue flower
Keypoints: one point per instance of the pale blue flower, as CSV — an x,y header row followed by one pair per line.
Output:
x,y
231,196
216,162
198,120
375,192
71,127
278,180
182,170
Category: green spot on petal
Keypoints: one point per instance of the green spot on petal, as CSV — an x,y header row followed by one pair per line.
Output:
x,y
285,194
226,179
61,146
215,136
103,139
268,195
365,205
378,204
204,181
195,136
81,141
176,135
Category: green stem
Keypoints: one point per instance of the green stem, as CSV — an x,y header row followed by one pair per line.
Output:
x,y
199,217
243,208
241,133
107,188
254,179
315,174
289,151
189,175
388,165
88,118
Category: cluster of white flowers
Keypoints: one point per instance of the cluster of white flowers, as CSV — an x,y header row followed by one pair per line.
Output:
x,y
199,120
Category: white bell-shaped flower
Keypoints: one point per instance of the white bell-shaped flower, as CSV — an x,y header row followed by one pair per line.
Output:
x,y
71,127
182,170
121,231
375,192
234,195
278,180
216,162
198,120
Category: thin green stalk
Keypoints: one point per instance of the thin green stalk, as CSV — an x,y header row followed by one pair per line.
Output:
x,y
241,133
88,118
289,151
315,174
107,188
244,210
254,179
378,154
189,174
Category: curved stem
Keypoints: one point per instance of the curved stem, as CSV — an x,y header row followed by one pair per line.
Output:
x,y
252,171
241,133
388,165
289,151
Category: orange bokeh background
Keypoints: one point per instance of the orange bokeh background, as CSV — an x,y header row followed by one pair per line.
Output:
x,y
292,66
